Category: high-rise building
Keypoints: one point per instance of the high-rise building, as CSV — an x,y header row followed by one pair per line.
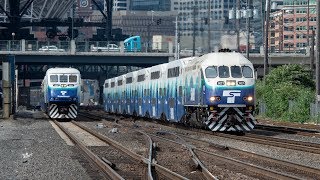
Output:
x,y
194,19
291,26
150,5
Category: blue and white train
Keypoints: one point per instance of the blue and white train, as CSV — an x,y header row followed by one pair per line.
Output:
x,y
215,91
61,88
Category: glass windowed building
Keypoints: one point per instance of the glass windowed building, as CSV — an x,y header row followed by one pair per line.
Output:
x,y
148,5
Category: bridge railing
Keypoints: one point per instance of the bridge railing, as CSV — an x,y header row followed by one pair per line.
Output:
x,y
83,46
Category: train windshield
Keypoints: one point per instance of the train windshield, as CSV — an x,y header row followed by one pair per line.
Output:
x,y
247,72
72,78
224,72
63,78
54,78
236,72
211,72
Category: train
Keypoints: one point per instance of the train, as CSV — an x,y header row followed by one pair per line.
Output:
x,y
132,44
214,91
61,89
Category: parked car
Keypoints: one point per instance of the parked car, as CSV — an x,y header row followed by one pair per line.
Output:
x,y
108,48
51,48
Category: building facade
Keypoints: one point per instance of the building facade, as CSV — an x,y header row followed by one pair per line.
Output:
x,y
150,5
290,27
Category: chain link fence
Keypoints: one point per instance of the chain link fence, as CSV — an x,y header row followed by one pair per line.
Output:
x,y
314,108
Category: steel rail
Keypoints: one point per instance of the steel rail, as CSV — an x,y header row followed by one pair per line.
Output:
x,y
150,142
283,143
99,162
300,167
285,128
164,171
252,168
206,173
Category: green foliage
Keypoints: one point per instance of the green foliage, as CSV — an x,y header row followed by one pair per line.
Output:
x,y
283,84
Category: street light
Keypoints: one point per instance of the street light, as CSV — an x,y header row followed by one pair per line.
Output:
x,y
13,34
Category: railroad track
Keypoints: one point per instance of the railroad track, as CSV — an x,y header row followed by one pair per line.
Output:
x,y
222,160
254,138
107,166
301,171
290,130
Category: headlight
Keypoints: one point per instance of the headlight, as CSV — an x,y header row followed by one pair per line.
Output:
x,y
214,98
231,82
248,98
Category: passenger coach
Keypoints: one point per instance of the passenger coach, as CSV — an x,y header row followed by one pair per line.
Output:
x,y
215,90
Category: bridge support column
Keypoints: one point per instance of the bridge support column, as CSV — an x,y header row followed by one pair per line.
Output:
x,y
23,45
73,47
121,47
170,47
8,75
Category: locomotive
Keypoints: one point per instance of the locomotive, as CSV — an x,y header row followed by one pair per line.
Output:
x,y
215,91
61,88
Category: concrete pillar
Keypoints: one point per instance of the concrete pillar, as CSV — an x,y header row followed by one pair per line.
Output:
x,y
121,47
6,87
170,47
73,47
23,45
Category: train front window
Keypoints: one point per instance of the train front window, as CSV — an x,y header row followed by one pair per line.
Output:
x,y
247,72
53,78
211,72
63,78
236,72
72,78
224,72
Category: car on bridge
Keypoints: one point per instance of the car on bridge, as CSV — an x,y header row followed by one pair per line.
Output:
x,y
108,48
51,49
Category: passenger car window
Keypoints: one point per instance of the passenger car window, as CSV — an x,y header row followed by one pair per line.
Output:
x,y
53,78
224,72
236,72
247,72
211,72
72,78
63,78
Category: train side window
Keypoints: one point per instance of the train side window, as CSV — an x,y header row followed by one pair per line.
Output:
x,y
160,91
211,72
53,78
236,72
247,72
224,72
73,78
63,78
106,85
180,91
112,84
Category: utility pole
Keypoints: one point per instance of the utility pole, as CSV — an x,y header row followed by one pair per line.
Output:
x,y
176,40
308,23
318,55
238,16
266,38
312,53
249,12
209,28
194,32
72,20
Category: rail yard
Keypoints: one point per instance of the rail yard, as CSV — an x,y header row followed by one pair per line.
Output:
x,y
98,145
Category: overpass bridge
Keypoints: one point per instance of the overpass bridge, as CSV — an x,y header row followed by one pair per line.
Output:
x,y
34,62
